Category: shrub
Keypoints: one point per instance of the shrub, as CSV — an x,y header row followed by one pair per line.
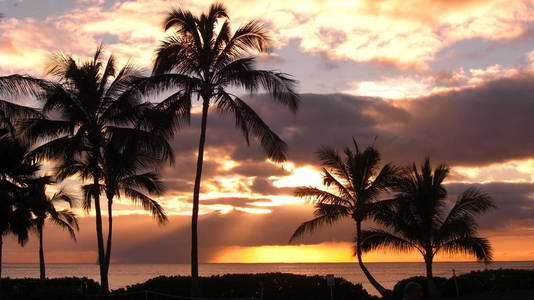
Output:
x,y
398,289
277,286
500,280
68,288
473,283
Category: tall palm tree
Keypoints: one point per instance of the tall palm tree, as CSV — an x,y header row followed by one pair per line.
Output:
x,y
204,58
87,104
354,183
15,168
43,209
418,219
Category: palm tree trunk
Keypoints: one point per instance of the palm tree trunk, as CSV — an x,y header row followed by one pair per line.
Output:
x,y
1,248
110,231
196,200
104,286
432,288
382,290
42,268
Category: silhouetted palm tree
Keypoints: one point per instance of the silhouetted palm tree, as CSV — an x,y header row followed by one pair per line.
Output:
x,y
43,209
15,215
355,182
122,162
92,103
205,59
417,220
15,169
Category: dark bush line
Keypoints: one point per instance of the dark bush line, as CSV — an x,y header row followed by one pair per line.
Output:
x,y
67,288
475,282
279,286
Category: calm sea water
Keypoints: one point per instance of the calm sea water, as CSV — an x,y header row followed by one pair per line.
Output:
x,y
388,274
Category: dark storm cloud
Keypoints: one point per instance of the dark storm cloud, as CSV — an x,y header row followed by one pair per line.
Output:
x,y
476,126
472,127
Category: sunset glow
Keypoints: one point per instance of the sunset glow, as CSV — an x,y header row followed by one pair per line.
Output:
x,y
451,80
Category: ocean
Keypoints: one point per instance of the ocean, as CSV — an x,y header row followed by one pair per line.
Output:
x,y
388,274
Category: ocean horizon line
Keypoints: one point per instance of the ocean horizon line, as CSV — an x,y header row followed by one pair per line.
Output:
x,y
262,263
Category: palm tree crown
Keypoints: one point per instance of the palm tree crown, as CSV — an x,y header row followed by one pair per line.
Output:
x,y
418,218
204,59
356,182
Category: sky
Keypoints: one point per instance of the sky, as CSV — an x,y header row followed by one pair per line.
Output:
x,y
448,79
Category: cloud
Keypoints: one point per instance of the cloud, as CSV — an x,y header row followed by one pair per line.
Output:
x,y
385,32
473,130
138,238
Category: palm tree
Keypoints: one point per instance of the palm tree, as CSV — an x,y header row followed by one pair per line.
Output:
x,y
43,208
15,168
121,178
356,181
418,219
92,103
205,59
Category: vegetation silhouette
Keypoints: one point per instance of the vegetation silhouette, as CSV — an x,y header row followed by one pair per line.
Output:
x,y
43,208
357,180
97,106
417,219
202,59
15,169
124,178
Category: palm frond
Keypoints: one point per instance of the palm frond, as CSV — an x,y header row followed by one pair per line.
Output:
x,y
319,196
250,122
41,128
148,181
248,38
67,220
15,86
149,204
142,141
329,180
329,158
478,247
312,225
375,239
280,86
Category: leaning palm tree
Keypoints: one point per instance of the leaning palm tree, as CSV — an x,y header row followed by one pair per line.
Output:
x,y
43,208
87,104
355,181
204,58
418,219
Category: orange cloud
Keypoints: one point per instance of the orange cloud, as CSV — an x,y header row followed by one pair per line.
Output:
x,y
391,31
